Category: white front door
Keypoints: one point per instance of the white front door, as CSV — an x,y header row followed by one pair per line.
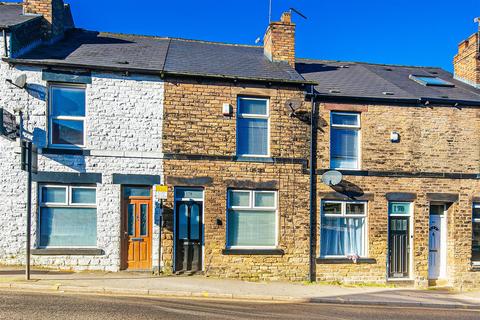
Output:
x,y
437,242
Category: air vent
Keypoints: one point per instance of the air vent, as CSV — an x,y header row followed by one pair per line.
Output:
x,y
388,93
123,62
344,66
334,91
388,69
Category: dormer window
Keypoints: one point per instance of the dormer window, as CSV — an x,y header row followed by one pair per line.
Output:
x,y
431,81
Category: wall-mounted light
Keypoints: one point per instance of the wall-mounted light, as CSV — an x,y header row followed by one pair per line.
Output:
x,y
395,137
227,109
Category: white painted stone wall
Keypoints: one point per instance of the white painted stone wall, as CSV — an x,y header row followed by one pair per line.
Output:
x,y
124,135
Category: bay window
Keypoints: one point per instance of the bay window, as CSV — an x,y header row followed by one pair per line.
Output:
x,y
345,140
68,216
343,231
252,127
66,115
252,220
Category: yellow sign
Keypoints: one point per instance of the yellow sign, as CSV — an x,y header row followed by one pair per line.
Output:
x,y
161,188
161,192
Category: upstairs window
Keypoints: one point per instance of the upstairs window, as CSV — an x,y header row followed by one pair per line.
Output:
x,y
252,127
344,141
476,234
67,116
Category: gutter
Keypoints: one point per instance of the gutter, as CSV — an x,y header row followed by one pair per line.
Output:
x,y
421,101
313,188
161,73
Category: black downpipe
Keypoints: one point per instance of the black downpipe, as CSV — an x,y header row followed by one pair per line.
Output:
x,y
313,188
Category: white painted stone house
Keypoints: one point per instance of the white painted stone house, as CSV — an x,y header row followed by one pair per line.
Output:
x,y
99,137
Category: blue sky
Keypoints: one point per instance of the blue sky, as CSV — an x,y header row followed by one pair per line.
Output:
x,y
410,32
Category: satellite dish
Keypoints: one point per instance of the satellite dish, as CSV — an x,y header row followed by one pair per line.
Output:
x,y
332,177
293,104
19,81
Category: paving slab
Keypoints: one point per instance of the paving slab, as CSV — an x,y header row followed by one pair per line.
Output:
x,y
147,284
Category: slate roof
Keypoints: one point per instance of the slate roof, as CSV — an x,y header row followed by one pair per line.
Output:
x,y
135,53
366,80
12,15
104,51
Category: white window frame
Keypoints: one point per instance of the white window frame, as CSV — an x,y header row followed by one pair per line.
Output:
x,y
67,204
477,220
73,118
252,207
254,116
358,128
343,214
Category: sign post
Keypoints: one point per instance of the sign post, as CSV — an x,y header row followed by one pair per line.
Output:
x,y
161,192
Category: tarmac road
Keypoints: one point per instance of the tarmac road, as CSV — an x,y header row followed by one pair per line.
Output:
x,y
26,305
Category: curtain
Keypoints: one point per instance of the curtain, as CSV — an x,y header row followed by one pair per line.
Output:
x,y
342,236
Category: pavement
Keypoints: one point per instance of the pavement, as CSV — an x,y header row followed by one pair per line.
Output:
x,y
148,285
53,306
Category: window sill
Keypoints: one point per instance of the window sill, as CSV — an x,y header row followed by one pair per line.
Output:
x,y
266,252
475,267
74,152
265,159
345,261
68,252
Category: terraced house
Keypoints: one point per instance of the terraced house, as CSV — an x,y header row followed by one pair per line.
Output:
x,y
241,136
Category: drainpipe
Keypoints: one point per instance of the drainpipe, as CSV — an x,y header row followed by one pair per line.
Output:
x,y
313,189
5,54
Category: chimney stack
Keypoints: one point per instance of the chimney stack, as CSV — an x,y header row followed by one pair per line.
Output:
x,y
53,12
279,40
466,62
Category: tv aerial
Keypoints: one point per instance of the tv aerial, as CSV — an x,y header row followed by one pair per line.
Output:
x,y
332,178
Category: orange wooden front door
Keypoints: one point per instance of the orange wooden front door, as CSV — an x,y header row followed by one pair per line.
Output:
x,y
137,234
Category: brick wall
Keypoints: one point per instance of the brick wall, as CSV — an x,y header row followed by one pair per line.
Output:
x,y
194,124
124,135
433,140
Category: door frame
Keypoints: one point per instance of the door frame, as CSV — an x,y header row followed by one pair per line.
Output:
x,y
411,271
175,199
442,274
123,213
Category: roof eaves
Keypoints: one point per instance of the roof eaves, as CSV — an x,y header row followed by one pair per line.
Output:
x,y
417,101
220,76
148,71
44,63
